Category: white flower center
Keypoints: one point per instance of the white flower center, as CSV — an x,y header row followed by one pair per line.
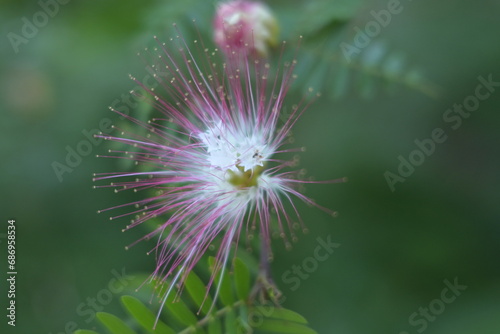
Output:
x,y
230,150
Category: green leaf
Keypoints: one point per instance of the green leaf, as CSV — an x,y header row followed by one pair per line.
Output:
x,y
281,314
144,316
84,331
180,310
214,326
241,279
223,283
114,324
230,323
197,292
322,13
284,327
244,326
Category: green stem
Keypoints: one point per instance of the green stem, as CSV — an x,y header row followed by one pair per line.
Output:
x,y
209,317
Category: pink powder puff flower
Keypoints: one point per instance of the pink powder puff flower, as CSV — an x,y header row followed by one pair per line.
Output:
x,y
212,157
245,26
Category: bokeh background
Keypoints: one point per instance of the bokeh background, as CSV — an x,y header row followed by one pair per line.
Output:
x,y
396,247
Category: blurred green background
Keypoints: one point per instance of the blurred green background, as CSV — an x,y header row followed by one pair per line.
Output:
x,y
397,247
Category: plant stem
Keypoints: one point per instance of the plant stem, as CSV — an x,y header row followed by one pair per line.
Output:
x,y
265,267
211,316
265,289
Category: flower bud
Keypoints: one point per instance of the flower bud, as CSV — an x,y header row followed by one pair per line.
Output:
x,y
245,26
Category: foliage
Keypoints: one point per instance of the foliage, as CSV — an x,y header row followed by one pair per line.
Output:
x,y
324,65
236,310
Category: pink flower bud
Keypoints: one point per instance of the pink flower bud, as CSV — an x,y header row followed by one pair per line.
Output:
x,y
245,26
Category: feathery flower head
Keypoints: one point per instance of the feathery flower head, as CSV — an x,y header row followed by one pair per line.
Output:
x,y
213,156
245,26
